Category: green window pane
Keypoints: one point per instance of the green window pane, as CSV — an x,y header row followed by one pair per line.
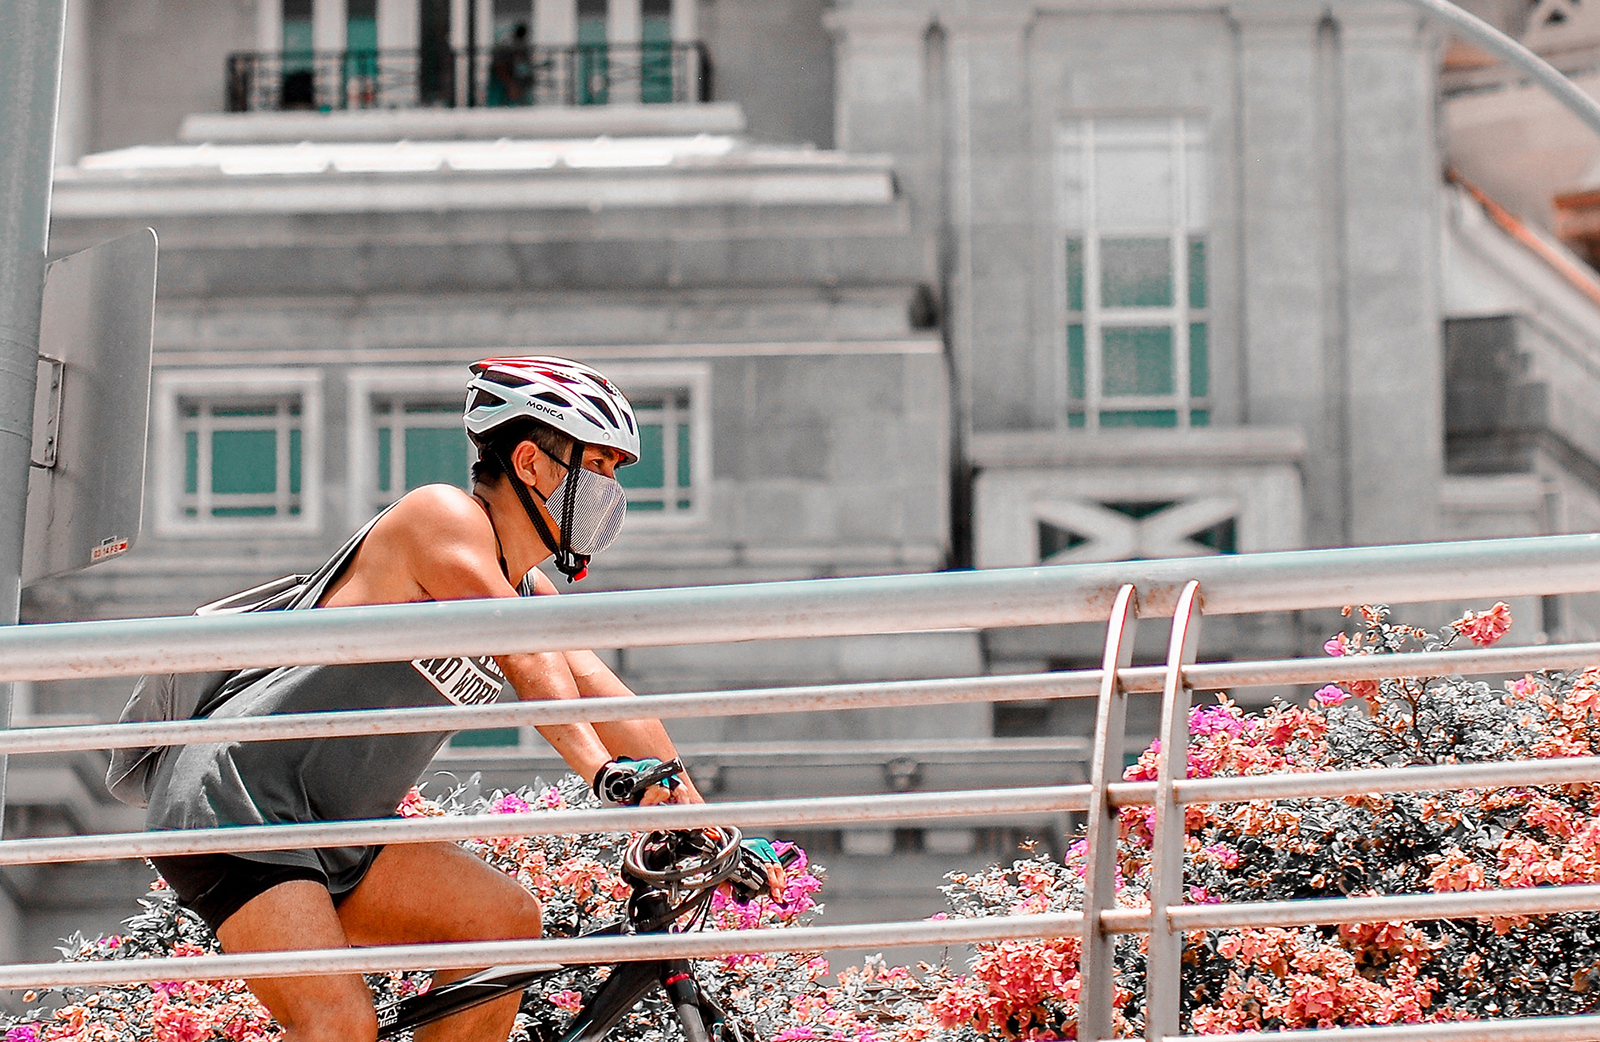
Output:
x,y
244,511
1197,273
191,462
1074,274
648,504
1136,273
1075,363
651,470
1140,418
1138,360
385,459
294,461
435,454
683,455
1075,419
1200,417
684,504
497,737
244,462
1199,361
361,33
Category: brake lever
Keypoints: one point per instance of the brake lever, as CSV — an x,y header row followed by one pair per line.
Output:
x,y
654,776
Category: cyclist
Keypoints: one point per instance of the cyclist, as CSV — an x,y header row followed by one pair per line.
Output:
x,y
550,434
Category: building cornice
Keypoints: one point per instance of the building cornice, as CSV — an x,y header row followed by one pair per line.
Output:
x,y
1165,448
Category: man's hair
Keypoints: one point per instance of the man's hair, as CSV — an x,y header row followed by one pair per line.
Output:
x,y
507,437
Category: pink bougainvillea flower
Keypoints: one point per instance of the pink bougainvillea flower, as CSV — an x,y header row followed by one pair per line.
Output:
x,y
1331,696
510,803
1484,628
23,1033
570,1001
1334,645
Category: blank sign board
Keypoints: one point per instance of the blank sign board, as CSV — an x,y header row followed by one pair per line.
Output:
x,y
91,407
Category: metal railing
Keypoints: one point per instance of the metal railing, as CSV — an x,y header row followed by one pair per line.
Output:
x,y
1014,597
501,76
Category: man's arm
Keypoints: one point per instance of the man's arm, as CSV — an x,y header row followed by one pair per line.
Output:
x,y
633,738
451,551
450,545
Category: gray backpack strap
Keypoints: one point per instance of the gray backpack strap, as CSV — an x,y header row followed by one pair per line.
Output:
x,y
317,583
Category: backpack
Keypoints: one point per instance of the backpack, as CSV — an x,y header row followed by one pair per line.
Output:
x,y
182,696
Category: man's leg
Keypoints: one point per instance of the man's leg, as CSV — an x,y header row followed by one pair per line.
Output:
x,y
424,892
300,914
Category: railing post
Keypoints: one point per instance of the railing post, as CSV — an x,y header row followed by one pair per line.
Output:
x,y
1097,969
1164,959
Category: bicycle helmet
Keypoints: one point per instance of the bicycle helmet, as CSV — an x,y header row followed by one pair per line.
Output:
x,y
571,398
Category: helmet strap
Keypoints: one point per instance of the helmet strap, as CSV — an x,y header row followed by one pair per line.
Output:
x,y
573,566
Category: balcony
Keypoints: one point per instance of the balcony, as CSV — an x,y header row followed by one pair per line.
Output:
x,y
497,77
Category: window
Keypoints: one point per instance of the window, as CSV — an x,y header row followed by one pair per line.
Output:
x,y
237,452
419,441
1132,216
662,482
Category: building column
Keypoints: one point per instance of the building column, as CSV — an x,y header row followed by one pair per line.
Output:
x,y
328,25
1287,274
685,21
1392,330
555,23
624,32
399,25
269,26
993,271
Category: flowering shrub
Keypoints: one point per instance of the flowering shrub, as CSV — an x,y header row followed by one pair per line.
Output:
x,y
579,885
1245,979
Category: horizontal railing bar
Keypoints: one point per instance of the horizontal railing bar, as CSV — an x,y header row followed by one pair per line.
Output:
x,y
1535,900
452,828
1522,1029
570,951
1282,581
1515,773
1067,684
286,726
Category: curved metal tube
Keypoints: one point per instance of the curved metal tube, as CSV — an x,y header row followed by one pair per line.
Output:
x,y
1497,43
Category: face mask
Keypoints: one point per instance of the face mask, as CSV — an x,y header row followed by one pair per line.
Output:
x,y
597,509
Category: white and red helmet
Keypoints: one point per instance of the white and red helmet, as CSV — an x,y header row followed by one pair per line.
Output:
x,y
569,396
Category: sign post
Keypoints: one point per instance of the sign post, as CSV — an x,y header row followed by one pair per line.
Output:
x,y
31,34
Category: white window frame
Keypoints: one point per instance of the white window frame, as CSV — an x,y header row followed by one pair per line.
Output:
x,y
172,384
636,379
364,385
1078,133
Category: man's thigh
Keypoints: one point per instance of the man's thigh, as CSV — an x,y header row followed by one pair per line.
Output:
x,y
420,892
291,915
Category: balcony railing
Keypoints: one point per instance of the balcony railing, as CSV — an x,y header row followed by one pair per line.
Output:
x,y
484,77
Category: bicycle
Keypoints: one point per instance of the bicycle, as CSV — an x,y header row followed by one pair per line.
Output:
x,y
673,874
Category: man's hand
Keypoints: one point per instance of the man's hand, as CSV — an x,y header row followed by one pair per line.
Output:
x,y
626,782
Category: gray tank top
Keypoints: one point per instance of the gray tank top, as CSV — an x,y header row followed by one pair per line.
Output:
x,y
328,779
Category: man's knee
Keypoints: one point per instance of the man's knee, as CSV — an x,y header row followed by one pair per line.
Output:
x,y
336,1022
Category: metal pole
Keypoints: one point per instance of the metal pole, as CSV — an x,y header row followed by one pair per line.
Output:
x,y
31,36
1097,963
1497,43
1164,958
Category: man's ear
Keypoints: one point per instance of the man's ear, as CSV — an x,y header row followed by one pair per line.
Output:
x,y
523,459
